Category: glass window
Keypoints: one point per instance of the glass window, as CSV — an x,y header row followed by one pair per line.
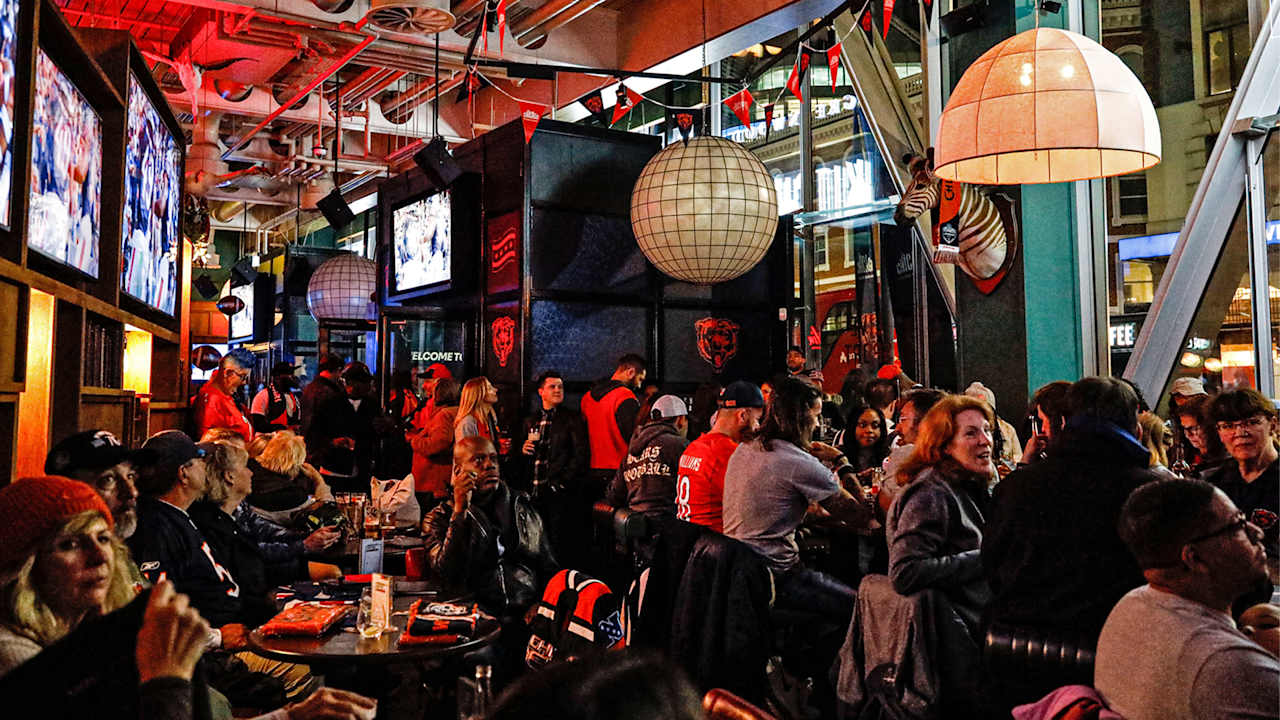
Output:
x,y
820,252
1139,283
1130,197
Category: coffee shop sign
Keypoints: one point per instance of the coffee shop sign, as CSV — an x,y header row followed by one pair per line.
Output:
x,y
821,108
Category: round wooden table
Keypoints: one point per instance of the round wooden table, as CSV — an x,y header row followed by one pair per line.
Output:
x,y
346,646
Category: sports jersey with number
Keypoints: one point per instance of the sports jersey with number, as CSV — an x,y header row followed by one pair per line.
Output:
x,y
700,481
168,546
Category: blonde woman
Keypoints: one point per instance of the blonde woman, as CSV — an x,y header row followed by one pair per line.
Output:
x,y
283,482
475,411
1158,439
60,563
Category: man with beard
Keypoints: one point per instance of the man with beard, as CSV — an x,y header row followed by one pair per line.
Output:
x,y
610,411
276,406
1169,649
700,486
488,538
98,459
796,367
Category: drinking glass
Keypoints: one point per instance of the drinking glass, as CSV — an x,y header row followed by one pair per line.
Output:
x,y
387,523
364,618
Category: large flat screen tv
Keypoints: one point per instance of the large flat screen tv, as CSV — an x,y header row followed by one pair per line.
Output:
x,y
422,243
8,94
66,171
152,197
242,322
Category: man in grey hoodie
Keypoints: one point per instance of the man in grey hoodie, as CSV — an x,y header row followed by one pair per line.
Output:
x,y
646,481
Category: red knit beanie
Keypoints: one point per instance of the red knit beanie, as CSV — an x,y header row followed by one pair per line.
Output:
x,y
31,509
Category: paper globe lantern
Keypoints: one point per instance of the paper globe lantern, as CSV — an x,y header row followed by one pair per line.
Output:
x,y
341,290
1046,105
704,211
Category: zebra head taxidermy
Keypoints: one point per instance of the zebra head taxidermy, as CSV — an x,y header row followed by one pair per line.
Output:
x,y
972,227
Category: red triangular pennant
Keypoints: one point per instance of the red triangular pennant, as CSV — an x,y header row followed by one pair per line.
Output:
x,y
928,11
833,64
865,20
888,13
531,115
768,120
797,71
740,103
627,99
502,25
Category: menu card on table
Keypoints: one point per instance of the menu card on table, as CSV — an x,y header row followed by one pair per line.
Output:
x,y
370,556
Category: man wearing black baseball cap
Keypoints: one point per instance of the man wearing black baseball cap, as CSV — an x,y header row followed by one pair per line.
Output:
x,y
276,406
700,487
98,459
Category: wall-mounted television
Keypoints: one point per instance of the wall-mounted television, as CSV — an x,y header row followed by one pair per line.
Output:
x,y
66,171
8,94
422,243
242,322
152,205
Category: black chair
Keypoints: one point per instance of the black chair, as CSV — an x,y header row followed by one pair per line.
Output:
x,y
1022,664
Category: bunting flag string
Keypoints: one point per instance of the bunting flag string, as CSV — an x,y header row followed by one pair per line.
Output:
x,y
740,103
530,115
833,64
502,27
768,120
888,15
594,103
865,20
797,72
627,100
682,118
927,6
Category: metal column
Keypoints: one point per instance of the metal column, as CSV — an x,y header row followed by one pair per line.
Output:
x,y
1259,273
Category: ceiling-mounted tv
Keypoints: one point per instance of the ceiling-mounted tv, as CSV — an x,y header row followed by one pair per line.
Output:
x,y
152,205
66,171
8,94
422,244
241,323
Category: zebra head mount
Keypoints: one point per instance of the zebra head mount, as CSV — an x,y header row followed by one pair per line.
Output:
x,y
981,227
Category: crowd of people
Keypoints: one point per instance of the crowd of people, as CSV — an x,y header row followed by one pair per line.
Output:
x,y
1151,545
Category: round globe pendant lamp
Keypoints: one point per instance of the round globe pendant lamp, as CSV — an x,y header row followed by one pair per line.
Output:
x,y
341,290
1046,106
704,211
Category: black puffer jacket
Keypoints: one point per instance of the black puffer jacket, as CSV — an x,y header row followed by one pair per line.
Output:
x,y
466,552
1051,551
646,481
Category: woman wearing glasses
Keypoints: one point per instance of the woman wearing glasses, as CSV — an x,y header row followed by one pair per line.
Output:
x,y
1245,420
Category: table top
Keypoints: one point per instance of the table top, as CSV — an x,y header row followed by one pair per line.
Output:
x,y
347,646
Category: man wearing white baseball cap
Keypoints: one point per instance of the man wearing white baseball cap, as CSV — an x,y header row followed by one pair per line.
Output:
x,y
1185,388
646,481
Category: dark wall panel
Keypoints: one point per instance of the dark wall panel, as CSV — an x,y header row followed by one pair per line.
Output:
x,y
583,341
585,252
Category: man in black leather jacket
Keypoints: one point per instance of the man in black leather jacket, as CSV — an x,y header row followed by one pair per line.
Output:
x,y
488,538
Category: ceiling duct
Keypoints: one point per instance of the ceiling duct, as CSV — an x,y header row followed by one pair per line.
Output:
x,y
410,17
333,6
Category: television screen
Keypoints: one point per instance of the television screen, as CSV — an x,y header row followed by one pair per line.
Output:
x,y
242,322
8,92
152,196
422,243
66,171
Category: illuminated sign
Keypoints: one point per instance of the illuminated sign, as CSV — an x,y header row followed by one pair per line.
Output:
x,y
717,340
1123,335
435,356
1155,246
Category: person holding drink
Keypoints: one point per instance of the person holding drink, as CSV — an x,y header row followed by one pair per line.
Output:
x,y
555,454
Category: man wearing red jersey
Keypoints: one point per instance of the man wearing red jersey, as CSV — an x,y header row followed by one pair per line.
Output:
x,y
700,481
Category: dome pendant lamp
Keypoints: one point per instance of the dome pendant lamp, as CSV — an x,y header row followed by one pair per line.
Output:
x,y
1046,106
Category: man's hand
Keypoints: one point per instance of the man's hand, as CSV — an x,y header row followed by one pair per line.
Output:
x,y
1036,444
824,452
321,539
463,482
528,447
331,704
172,638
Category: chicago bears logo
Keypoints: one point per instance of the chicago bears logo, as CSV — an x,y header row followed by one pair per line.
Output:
x,y
594,103
717,340
503,338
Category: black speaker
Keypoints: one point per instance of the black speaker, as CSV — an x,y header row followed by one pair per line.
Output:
x,y
242,273
965,18
437,163
204,286
335,210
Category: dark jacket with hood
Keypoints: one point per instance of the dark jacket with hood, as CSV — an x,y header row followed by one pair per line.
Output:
x,y
496,549
646,481
1051,551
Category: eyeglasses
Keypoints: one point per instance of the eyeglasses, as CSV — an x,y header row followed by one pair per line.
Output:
x,y
1245,424
1240,522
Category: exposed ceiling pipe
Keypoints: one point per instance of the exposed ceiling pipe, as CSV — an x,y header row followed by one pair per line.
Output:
x,y
540,16
325,74
535,35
